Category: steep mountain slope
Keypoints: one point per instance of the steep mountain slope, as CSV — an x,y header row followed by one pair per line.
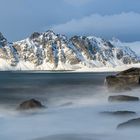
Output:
x,y
132,45
7,52
50,51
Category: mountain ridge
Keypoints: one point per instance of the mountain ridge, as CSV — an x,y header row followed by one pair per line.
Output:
x,y
50,51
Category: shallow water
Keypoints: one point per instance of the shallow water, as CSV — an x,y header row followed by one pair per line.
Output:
x,y
74,104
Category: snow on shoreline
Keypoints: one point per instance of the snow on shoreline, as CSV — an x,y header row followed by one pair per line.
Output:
x,y
27,67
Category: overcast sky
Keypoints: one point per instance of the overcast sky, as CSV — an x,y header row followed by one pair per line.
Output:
x,y
105,18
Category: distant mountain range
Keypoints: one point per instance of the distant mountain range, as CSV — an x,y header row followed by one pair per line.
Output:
x,y
50,51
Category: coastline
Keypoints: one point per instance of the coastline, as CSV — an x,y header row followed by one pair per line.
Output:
x,y
82,70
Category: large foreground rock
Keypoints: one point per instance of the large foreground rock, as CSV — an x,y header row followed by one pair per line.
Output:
x,y
131,71
123,80
130,123
122,98
30,104
120,83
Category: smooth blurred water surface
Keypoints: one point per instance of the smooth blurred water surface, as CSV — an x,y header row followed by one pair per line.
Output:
x,y
74,104
15,86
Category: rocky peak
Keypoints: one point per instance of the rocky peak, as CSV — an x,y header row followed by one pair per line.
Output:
x,y
34,35
3,40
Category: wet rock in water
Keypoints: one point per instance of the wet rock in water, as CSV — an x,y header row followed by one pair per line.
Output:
x,y
122,98
131,71
119,113
123,80
30,104
121,83
130,123
66,104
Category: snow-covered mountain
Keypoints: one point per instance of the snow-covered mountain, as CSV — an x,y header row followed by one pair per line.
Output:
x,y
50,51
135,46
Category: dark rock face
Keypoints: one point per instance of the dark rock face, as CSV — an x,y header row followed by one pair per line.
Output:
x,y
34,35
3,40
119,54
122,98
130,123
7,52
126,60
119,113
123,80
30,104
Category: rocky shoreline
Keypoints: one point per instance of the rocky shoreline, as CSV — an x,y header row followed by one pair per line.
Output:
x,y
124,81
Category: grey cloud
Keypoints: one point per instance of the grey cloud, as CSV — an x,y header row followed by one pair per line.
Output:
x,y
19,18
124,25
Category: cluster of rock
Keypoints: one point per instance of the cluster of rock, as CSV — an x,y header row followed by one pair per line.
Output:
x,y
124,113
124,80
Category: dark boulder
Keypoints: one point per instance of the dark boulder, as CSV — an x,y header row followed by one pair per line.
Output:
x,y
130,123
124,80
130,80
30,104
119,113
115,83
122,98
131,71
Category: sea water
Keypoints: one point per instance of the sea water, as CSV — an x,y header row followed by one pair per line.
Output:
x,y
74,105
